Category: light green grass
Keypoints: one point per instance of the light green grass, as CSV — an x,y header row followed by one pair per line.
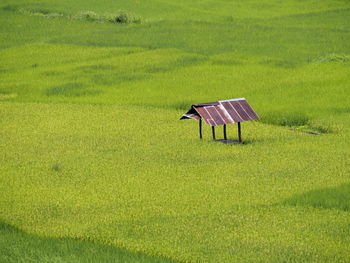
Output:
x,y
132,184
91,147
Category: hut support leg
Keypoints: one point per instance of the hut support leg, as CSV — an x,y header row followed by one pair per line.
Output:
x,y
200,129
239,133
225,136
213,131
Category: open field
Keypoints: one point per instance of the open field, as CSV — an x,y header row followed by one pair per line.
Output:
x,y
96,167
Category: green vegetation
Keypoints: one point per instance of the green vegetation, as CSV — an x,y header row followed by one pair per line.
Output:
x,y
96,167
17,246
334,197
120,18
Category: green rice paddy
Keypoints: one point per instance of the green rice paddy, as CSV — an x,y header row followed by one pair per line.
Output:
x,y
95,165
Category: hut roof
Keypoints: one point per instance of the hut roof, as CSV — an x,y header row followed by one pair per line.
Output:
x,y
222,112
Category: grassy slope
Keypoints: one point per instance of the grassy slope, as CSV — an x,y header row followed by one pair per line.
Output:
x,y
114,166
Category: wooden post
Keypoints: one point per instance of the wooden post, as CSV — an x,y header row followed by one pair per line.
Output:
x,y
200,129
239,133
225,136
213,130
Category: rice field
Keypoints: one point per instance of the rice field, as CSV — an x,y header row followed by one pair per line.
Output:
x,y
95,165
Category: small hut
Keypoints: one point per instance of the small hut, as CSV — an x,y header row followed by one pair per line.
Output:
x,y
221,113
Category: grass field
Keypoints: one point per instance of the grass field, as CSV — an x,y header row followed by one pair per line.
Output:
x,y
96,167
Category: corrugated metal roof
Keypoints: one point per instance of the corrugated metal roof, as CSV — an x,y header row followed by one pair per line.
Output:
x,y
222,112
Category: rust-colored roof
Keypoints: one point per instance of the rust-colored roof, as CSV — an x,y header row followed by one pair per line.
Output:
x,y
222,112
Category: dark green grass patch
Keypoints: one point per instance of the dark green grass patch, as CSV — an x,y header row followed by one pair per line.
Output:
x,y
286,118
181,105
17,246
300,121
70,90
329,198
98,67
51,73
9,8
333,58
121,17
